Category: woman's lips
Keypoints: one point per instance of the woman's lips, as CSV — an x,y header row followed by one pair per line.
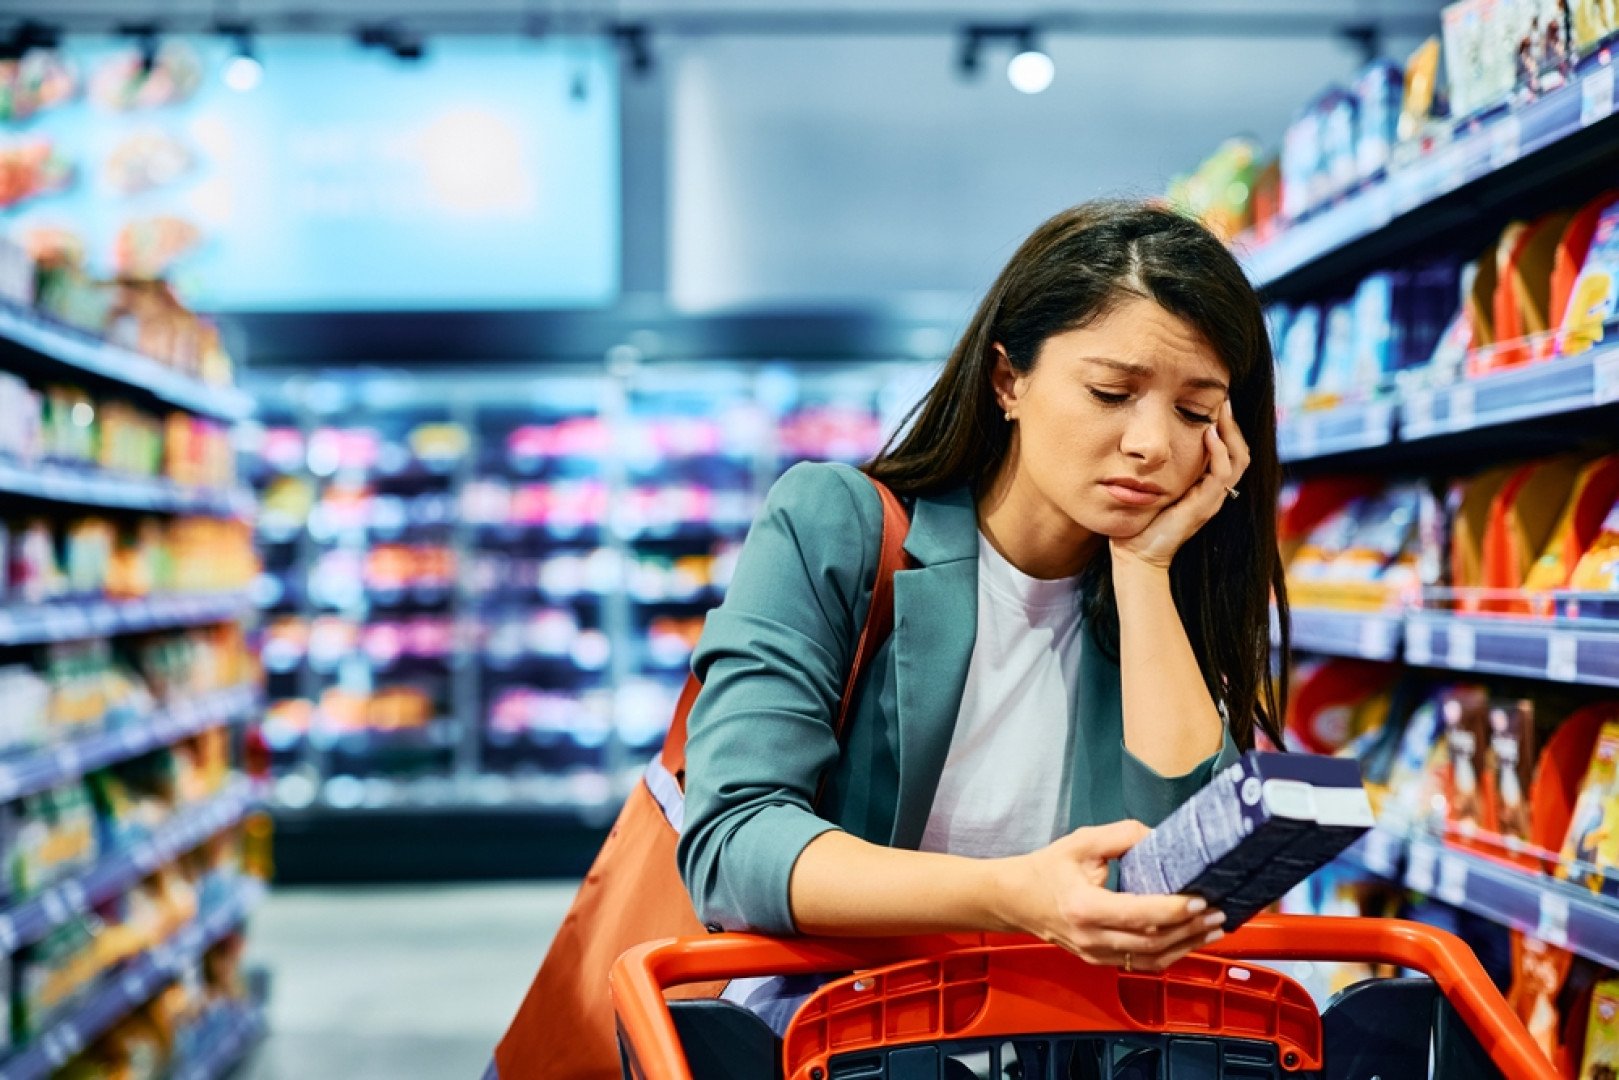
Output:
x,y
1130,496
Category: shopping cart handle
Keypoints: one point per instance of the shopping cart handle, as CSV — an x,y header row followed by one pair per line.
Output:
x,y
641,975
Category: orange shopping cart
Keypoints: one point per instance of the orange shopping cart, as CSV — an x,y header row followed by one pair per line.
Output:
x,y
1008,1007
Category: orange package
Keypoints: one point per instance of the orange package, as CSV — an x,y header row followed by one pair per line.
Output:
x,y
1595,491
1521,519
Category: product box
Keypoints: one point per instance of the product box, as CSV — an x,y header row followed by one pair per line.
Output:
x,y
1593,22
1480,60
1378,91
1591,304
1511,760
1259,828
1541,47
1465,715
1601,1060
1591,852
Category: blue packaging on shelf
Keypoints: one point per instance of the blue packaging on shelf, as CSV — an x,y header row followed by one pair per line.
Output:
x,y
1256,830
1301,355
1374,330
1379,92
1335,374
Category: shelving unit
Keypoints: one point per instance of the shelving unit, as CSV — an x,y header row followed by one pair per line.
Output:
x,y
1553,910
45,353
134,984
1491,161
603,483
1451,193
28,921
37,624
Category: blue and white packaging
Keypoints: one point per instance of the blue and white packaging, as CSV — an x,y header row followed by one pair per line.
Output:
x,y
1255,831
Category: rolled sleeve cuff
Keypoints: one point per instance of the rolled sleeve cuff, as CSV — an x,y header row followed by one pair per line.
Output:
x,y
1150,796
768,846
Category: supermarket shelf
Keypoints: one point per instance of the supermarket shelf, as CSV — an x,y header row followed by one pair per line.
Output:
x,y
88,487
227,1052
1563,650
74,349
1535,391
1361,426
1552,388
122,992
1365,634
1552,910
42,770
1582,651
36,624
1541,135
31,920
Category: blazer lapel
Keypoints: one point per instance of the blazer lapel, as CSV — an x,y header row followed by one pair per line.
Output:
x,y
935,625
1096,754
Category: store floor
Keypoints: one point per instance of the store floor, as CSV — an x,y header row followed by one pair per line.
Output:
x,y
396,983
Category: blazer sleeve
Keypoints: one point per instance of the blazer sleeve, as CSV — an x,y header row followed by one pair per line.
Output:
x,y
772,659
1150,796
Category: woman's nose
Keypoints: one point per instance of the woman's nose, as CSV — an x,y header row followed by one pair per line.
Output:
x,y
1146,437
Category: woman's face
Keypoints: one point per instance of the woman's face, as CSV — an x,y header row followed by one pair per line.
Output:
x,y
1109,424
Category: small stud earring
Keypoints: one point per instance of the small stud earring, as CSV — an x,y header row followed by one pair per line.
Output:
x,y
1008,416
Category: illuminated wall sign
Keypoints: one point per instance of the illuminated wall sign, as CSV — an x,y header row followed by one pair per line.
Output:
x,y
485,175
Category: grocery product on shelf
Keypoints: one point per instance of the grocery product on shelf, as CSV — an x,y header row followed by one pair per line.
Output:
x,y
39,79
1336,701
1363,555
1479,57
1592,848
1417,103
1593,22
1598,568
93,557
1602,1033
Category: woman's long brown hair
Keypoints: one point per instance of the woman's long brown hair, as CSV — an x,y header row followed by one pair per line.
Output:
x,y
1071,271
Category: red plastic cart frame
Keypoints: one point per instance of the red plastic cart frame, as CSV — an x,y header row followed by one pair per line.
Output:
x,y
951,986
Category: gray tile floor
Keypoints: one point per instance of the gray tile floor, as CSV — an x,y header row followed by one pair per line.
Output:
x,y
396,983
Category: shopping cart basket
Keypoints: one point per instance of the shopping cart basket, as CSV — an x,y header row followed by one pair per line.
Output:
x,y
1008,1007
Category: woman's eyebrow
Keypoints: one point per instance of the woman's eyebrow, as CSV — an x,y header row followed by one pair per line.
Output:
x,y
1142,371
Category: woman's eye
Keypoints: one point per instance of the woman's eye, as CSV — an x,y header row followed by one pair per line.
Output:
x,y
1109,399
1192,416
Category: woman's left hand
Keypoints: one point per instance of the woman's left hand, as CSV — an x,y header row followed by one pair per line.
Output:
x,y
1176,523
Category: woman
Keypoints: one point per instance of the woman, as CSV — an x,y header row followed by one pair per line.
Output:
x,y
1084,638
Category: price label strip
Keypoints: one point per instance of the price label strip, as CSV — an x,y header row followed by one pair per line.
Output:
x,y
1506,142
1419,642
1562,656
1462,652
1462,408
1605,377
1376,639
1596,95
1552,924
1452,887
1419,873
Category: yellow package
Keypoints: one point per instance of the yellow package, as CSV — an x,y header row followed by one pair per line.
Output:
x,y
1593,829
1594,22
1598,569
1421,77
1601,1061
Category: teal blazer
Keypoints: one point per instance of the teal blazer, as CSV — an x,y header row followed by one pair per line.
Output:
x,y
773,659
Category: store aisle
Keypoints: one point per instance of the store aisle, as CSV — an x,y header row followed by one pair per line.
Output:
x,y
396,983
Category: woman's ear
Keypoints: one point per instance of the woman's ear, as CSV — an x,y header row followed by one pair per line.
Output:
x,y
1004,380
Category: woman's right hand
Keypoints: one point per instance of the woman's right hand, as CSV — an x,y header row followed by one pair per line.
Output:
x,y
1060,895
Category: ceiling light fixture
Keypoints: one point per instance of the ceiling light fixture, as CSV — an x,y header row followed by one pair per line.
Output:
x,y
243,71
1031,70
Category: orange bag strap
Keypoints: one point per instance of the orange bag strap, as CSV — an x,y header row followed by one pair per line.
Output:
x,y
891,558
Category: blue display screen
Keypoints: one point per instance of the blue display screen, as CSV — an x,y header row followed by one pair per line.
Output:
x,y
484,175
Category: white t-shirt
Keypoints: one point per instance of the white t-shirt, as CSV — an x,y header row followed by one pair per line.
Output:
x,y
1005,785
